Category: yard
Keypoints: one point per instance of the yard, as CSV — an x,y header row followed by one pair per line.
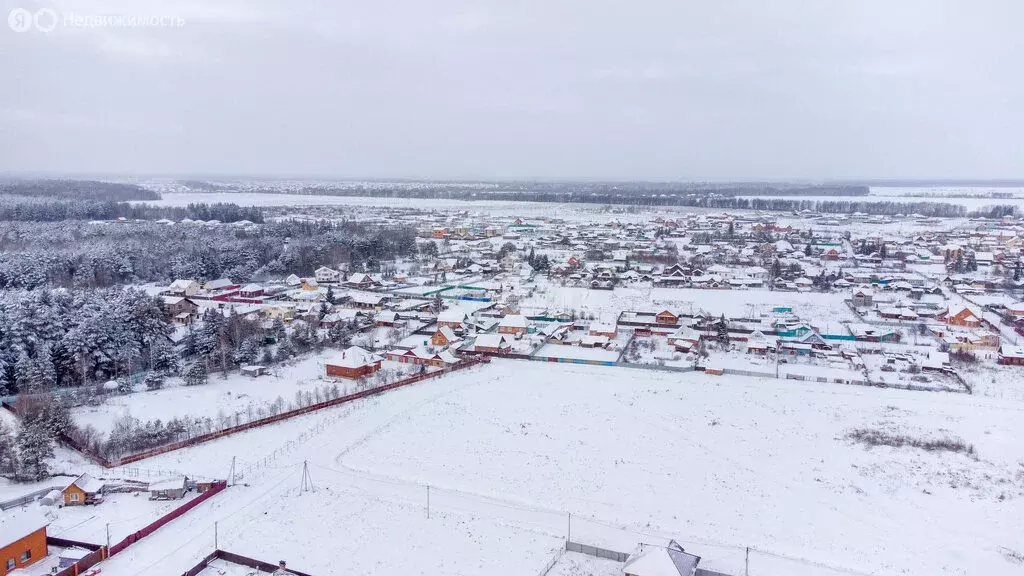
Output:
x,y
821,475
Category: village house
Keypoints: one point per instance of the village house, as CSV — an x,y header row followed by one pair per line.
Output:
x,y
184,288
960,316
355,362
83,490
684,339
180,309
862,298
514,324
310,285
651,560
602,329
453,318
325,275
423,357
444,336
251,291
220,285
361,281
1013,355
171,489
666,318
492,343
22,540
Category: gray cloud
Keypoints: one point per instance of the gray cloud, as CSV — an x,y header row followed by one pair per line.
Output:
x,y
506,89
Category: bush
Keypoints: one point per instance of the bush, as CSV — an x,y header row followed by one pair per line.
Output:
x,y
874,438
154,381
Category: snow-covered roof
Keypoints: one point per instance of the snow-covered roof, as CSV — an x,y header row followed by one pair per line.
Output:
x,y
182,284
18,523
514,321
490,340
87,483
218,284
658,561
355,357
447,333
169,484
252,288
452,315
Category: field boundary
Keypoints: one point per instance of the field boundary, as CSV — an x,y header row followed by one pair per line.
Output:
x,y
203,438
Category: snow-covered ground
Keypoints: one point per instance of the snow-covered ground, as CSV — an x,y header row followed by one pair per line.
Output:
x,y
719,463
226,401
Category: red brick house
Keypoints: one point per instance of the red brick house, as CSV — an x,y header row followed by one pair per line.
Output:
x,y
666,318
355,362
831,254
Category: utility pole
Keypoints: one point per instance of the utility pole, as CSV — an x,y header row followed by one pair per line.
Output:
x,y
307,481
746,563
108,537
215,546
568,536
428,501
232,474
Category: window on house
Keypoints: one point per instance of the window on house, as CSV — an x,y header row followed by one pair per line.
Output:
x,y
74,496
10,564
26,556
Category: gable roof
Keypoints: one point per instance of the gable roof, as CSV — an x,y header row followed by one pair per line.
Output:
x,y
355,357
513,321
18,523
86,483
658,561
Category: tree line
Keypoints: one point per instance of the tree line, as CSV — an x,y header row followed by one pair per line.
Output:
x,y
83,255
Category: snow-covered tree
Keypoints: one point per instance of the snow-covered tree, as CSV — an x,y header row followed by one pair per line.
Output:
x,y
195,374
154,380
35,448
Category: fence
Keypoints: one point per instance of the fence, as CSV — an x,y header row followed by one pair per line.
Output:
x,y
15,502
595,551
202,438
237,559
98,554
216,488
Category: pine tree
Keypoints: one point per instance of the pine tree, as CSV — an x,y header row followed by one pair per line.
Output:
x,y
267,358
330,295
154,380
723,332
807,249
972,264
35,447
958,266
8,452
248,352
164,358
284,350
1016,271
124,386
24,372
195,374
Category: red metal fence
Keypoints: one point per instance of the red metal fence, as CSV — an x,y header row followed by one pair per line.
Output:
x,y
290,414
216,488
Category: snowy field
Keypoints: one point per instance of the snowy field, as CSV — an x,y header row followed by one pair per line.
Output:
x,y
221,397
719,463
226,401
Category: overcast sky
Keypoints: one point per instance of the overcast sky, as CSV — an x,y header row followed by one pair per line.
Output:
x,y
634,89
